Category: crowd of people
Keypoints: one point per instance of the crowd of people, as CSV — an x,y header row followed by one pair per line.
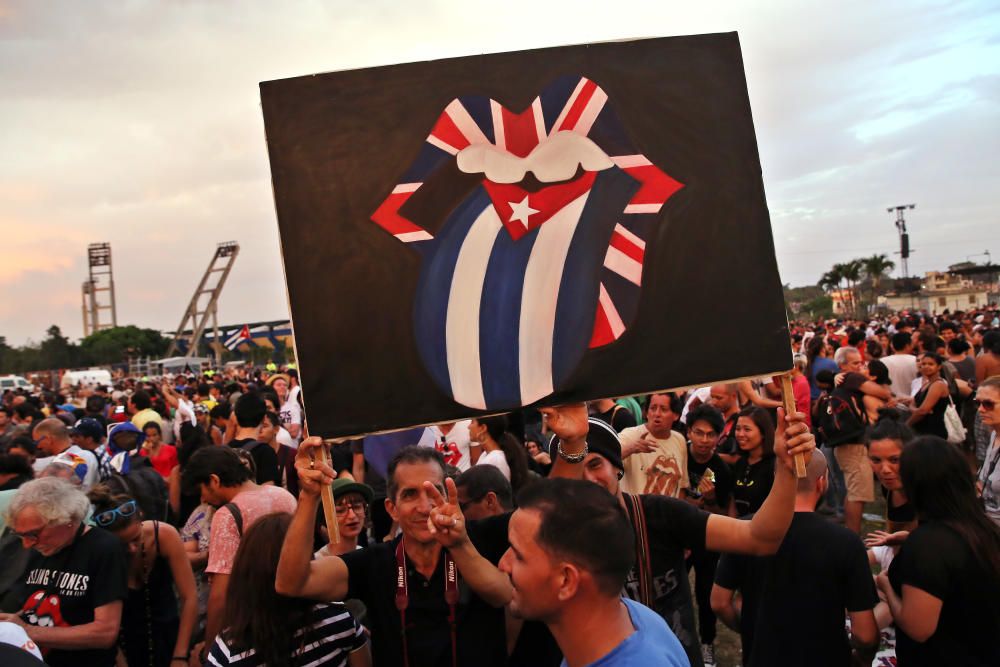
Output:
x,y
178,520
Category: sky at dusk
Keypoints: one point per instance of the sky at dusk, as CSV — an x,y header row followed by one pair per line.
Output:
x,y
139,123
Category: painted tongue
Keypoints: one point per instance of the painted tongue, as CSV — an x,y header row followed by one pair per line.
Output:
x,y
521,211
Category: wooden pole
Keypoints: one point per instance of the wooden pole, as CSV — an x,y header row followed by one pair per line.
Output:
x,y
788,400
329,510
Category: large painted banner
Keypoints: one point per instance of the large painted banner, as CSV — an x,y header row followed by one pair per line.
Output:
x,y
472,235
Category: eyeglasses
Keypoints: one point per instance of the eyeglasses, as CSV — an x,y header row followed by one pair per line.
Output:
x,y
358,506
108,517
32,535
985,403
698,433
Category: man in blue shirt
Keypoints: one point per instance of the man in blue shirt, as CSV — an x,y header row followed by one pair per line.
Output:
x,y
567,568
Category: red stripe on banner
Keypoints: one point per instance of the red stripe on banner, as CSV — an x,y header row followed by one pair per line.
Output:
x,y
578,106
388,218
627,247
656,186
446,130
520,134
602,329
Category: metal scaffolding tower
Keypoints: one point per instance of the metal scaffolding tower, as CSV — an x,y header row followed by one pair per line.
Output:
x,y
904,237
195,320
98,291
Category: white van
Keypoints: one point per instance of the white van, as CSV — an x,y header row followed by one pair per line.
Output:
x,y
91,376
15,382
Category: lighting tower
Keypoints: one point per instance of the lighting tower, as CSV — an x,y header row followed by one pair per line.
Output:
x,y
98,291
904,237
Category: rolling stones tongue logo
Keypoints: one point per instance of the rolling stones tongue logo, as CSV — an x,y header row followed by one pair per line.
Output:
x,y
521,280
44,611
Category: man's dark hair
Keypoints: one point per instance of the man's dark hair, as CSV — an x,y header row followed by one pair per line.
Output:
x,y
273,418
707,413
141,400
152,425
250,411
855,337
480,480
900,341
221,411
947,326
600,544
24,442
7,411
95,405
269,394
410,455
223,462
12,464
203,389
28,411
958,346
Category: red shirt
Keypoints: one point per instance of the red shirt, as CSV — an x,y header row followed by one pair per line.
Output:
x,y
165,460
800,389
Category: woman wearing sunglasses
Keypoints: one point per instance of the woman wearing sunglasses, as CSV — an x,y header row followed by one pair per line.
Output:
x,y
988,403
153,632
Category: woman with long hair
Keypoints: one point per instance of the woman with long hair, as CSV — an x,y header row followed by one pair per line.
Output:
x,y
885,440
261,627
500,448
930,402
943,587
816,356
153,633
753,473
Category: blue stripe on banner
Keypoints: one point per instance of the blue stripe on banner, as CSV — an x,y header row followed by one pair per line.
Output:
x,y
554,98
430,307
429,159
578,290
499,319
478,107
609,133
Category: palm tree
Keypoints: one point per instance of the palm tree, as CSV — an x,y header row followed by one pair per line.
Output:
x,y
877,267
831,279
851,272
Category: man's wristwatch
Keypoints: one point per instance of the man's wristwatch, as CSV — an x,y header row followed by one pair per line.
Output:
x,y
572,458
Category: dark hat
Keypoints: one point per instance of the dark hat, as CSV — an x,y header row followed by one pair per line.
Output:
x,y
344,485
89,428
601,439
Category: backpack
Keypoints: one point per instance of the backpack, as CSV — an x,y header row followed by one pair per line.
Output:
x,y
841,421
147,487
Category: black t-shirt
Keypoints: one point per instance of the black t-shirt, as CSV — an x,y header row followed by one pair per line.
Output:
x,y
751,484
794,601
723,477
672,525
481,632
64,589
937,560
619,417
264,459
904,513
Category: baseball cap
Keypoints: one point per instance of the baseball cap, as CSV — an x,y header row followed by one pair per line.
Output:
x,y
89,428
343,485
601,439
74,462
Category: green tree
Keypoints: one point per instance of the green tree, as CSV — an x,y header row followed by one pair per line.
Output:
x,y
876,268
56,351
114,345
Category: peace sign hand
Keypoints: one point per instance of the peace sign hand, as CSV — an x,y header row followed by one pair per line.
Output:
x,y
446,522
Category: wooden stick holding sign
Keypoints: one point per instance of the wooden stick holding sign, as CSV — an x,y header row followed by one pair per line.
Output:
x,y
329,509
788,400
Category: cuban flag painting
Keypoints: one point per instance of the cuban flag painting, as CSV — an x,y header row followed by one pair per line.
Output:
x,y
543,260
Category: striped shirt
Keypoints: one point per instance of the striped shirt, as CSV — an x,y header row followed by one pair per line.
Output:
x,y
337,634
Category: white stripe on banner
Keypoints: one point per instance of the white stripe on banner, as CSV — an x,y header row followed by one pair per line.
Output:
x,y
462,326
539,298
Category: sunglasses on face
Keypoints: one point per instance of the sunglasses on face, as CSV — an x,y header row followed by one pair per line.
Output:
x,y
31,535
358,506
985,403
108,517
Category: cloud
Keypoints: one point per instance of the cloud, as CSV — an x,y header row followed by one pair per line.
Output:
x,y
140,124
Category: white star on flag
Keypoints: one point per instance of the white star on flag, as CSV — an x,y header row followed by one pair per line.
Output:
x,y
521,211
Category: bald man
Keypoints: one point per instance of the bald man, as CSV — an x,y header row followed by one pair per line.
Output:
x,y
794,601
52,438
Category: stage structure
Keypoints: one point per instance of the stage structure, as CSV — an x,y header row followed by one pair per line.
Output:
x,y
904,237
98,291
204,305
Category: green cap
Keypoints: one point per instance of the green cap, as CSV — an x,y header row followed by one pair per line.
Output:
x,y
344,485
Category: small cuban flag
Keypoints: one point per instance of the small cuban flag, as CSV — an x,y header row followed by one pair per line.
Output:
x,y
235,339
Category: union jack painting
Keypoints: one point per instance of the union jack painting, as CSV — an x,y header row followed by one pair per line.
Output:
x,y
477,235
518,284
